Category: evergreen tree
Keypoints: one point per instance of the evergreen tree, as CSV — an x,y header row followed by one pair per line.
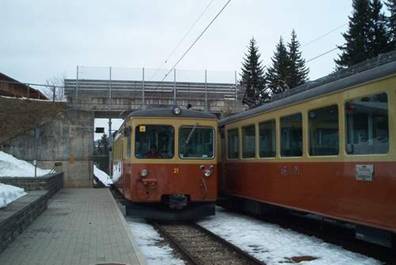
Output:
x,y
391,21
378,35
356,48
253,77
298,72
277,74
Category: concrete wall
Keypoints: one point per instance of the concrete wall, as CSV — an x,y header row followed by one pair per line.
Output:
x,y
68,138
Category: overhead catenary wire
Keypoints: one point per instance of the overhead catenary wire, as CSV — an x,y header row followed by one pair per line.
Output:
x,y
182,39
322,54
196,40
323,35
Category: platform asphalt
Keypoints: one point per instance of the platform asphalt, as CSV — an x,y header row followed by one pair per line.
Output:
x,y
80,226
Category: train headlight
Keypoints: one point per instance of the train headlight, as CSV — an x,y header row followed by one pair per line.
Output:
x,y
176,111
207,172
144,173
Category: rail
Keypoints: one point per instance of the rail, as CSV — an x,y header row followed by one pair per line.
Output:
x,y
199,246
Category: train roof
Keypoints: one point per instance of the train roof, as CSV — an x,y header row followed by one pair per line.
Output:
x,y
168,112
377,68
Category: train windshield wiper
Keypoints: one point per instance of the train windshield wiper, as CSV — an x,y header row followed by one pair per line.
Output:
x,y
191,133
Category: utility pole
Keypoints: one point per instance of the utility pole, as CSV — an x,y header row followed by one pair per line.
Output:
x,y
143,99
206,90
110,134
174,87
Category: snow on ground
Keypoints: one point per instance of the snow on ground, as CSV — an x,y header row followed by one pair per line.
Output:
x,y
275,245
13,167
9,194
152,244
102,176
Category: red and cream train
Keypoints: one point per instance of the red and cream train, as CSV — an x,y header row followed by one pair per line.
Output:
x,y
328,149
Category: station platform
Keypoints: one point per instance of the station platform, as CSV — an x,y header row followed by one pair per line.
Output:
x,y
80,226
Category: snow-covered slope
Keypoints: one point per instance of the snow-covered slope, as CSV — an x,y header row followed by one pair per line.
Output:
x,y
13,167
9,194
102,176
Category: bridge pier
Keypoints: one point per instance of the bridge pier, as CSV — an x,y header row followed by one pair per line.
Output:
x,y
67,138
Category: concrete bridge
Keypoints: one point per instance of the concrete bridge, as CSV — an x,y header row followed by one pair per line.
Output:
x,y
108,98
66,134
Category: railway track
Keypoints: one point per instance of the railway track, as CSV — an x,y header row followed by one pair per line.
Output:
x,y
201,247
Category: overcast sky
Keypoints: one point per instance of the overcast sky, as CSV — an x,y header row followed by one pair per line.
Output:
x,y
48,38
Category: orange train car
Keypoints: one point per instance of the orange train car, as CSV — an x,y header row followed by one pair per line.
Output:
x,y
165,163
328,148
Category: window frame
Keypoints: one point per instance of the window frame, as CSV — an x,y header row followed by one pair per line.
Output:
x,y
302,136
274,120
242,141
239,144
346,154
149,124
197,158
339,121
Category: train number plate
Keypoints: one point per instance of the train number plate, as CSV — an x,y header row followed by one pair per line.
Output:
x,y
364,172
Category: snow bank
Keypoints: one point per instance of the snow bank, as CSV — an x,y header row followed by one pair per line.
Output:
x,y
275,245
102,176
9,194
152,244
13,167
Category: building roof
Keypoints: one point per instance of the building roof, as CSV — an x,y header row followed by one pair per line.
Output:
x,y
13,88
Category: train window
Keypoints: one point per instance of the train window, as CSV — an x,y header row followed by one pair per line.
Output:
x,y
267,139
291,135
196,142
233,143
367,125
249,141
154,141
323,131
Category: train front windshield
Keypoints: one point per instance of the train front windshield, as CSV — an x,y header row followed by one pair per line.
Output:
x,y
196,142
154,141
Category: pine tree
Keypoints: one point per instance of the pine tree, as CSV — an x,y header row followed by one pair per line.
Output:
x,y
356,48
278,73
378,35
253,77
391,21
298,72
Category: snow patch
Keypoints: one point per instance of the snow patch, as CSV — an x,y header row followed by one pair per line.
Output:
x,y
13,167
9,194
152,244
275,245
102,176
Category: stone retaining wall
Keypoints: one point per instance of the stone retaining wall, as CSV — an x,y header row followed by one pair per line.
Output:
x,y
16,217
52,183
21,213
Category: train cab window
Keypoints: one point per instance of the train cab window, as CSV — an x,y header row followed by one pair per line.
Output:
x,y
267,139
233,143
154,141
367,125
196,142
291,135
249,141
323,131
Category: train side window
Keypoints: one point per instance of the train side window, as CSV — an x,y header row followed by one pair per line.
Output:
x,y
291,135
233,143
267,139
367,125
249,141
323,131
